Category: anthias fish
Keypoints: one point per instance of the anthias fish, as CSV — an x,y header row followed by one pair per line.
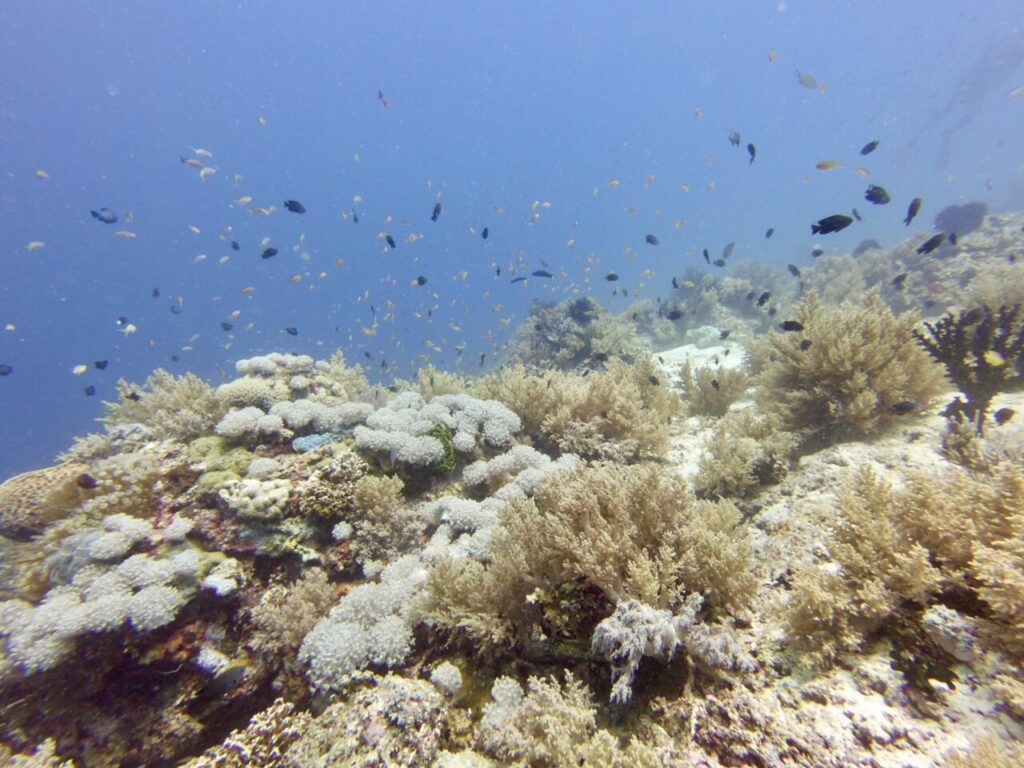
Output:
x,y
830,224
877,195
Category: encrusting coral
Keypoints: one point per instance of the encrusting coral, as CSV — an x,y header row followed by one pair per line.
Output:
x,y
857,375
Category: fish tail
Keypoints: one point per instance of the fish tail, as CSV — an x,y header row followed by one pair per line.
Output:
x,y
815,229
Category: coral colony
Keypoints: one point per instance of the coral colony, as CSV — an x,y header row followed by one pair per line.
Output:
x,y
732,529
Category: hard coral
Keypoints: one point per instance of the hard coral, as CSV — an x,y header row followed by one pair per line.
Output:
x,y
861,362
983,352
32,500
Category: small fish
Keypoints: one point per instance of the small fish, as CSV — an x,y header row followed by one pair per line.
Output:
x,y
675,283
877,195
791,325
390,241
870,147
734,139
727,251
993,358
191,162
5,369
715,384
100,365
793,270
226,326
126,234
724,335
897,282
952,238
915,206
517,279
751,295
806,81
89,391
79,369
611,277
856,214
42,175
155,293
829,224
86,481
483,356
752,151
541,273
763,298
134,396
205,173
931,243
805,345
437,212
383,99
903,407
175,309
485,233
294,206
828,165
675,314
269,253
651,240
235,246
105,215
707,256
772,311
769,233
292,331
654,380
1003,415
355,216
817,252
421,280
719,262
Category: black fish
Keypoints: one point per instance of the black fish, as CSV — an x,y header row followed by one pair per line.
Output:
x,y
727,251
856,214
497,271
817,251
89,391
793,270
931,243
715,384
654,380
105,215
421,280
952,238
707,256
915,206
292,331
769,233
294,206
897,282
675,314
611,277
437,212
829,224
5,369
601,357
541,273
870,147
175,309
763,298
122,321
155,293
100,365
86,481
517,279
719,262
877,195
269,253
791,325
235,246
734,139
134,396
724,335
903,407
390,241
1003,415
752,151
651,240
805,345
225,326
355,216
772,311
483,356
675,283
485,233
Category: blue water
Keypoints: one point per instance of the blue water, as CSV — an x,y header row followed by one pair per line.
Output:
x,y
489,104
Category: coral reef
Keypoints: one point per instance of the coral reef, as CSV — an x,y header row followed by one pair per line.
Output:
x,y
710,391
169,407
32,500
746,450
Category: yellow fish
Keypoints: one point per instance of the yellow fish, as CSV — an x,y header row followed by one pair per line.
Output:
x,y
679,223
827,165
79,369
613,184
243,200
771,56
35,245
262,120
863,173
202,152
994,358
41,174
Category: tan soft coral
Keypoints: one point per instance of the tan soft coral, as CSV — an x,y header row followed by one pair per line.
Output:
x,y
862,360
182,408
632,532
621,412
710,391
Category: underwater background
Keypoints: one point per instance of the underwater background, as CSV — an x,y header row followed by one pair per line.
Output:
x,y
564,384
489,105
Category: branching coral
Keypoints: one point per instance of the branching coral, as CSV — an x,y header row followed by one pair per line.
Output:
x,y
983,352
181,408
861,362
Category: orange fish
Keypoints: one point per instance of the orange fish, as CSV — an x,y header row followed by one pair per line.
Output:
x,y
248,289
